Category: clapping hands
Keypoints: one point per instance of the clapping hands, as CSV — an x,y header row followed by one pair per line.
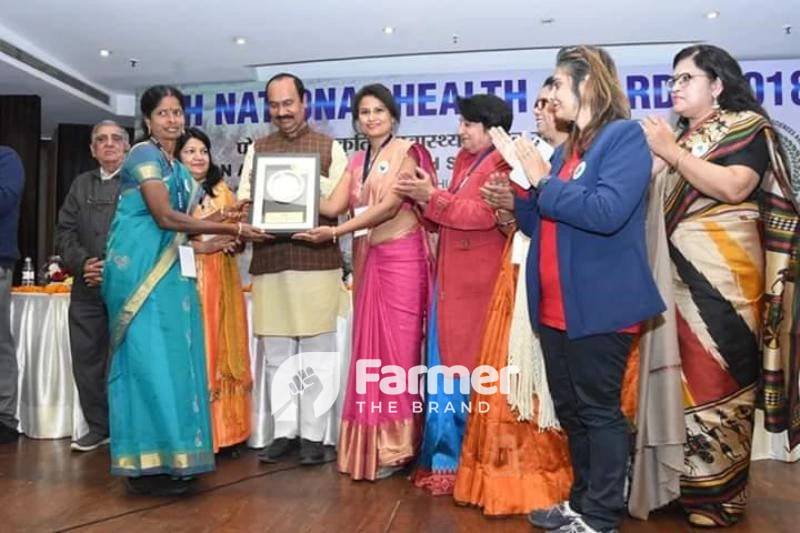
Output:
x,y
520,153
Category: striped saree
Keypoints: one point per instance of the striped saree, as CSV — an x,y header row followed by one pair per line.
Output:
x,y
730,282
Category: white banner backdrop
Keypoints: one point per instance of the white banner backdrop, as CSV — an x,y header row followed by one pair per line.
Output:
x,y
233,114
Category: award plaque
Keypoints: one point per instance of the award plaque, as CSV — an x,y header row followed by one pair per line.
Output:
x,y
285,192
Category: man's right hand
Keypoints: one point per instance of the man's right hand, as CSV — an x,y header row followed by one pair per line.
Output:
x,y
93,272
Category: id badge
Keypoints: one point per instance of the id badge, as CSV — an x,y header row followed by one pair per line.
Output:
x,y
188,265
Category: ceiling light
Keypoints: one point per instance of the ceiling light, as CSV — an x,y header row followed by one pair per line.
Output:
x,y
240,41
105,53
712,15
388,30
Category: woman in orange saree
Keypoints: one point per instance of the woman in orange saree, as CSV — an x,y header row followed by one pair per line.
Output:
x,y
220,288
509,466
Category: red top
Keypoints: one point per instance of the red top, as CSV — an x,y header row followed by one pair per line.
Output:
x,y
469,259
551,304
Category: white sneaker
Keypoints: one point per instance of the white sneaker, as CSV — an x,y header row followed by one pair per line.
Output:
x,y
579,526
553,517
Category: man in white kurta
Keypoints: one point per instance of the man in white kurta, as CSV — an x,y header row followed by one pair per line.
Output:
x,y
296,285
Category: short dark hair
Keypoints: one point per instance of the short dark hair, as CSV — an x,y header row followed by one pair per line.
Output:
x,y
488,109
214,175
382,93
298,83
150,100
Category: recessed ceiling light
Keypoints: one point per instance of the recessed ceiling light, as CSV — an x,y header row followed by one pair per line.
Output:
x,y
547,21
240,41
388,30
105,53
712,15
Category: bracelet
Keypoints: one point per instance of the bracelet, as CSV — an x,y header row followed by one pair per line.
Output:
x,y
503,222
333,231
239,233
679,159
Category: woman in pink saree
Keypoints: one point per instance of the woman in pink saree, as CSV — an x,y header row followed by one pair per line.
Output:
x,y
380,431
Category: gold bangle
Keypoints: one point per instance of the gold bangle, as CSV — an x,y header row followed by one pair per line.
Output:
x,y
239,233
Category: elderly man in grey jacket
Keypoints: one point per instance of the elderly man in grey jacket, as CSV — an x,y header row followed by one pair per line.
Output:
x,y
83,224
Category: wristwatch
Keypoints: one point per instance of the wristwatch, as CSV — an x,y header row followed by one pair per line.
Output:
x,y
542,182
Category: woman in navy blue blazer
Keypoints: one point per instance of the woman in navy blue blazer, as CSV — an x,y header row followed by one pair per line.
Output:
x,y
589,281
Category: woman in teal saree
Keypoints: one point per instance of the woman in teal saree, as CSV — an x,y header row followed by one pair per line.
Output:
x,y
157,387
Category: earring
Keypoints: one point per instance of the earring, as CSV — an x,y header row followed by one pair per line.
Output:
x,y
715,105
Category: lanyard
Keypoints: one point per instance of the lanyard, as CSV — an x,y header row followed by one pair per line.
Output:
x,y
367,163
472,168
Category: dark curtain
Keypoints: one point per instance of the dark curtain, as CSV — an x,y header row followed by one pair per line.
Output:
x,y
73,156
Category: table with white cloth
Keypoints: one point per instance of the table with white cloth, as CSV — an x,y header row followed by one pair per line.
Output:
x,y
48,406
47,399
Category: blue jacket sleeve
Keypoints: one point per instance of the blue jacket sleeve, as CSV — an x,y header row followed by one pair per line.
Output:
x,y
12,179
623,177
524,211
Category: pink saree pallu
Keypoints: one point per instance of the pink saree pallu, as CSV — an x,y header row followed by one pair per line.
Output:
x,y
380,429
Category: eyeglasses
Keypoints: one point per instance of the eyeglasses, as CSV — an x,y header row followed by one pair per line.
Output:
x,y
540,103
681,80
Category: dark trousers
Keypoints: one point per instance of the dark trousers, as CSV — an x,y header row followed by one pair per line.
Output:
x,y
89,343
585,378
8,354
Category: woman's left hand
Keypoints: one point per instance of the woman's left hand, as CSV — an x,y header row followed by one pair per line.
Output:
x,y
316,235
533,164
419,188
223,243
497,193
660,137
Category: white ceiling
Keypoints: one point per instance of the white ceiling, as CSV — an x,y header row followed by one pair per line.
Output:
x,y
192,41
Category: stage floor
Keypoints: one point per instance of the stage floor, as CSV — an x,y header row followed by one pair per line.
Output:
x,y
46,487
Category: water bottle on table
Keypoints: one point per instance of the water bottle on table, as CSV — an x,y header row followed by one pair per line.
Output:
x,y
28,274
